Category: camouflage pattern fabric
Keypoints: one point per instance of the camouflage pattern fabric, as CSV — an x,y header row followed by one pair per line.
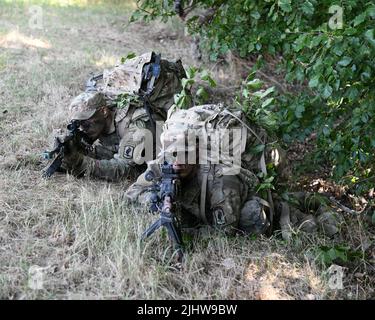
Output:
x,y
224,201
307,212
112,156
231,200
126,77
226,195
105,163
106,147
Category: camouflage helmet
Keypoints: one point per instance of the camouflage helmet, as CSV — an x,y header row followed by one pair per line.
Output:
x,y
178,134
84,105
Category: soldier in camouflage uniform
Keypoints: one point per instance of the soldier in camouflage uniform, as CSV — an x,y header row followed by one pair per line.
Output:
x,y
118,129
209,195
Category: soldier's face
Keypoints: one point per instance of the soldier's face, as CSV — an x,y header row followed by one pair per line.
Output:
x,y
183,170
94,126
180,163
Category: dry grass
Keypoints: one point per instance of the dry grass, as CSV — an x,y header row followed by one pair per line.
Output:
x,y
75,239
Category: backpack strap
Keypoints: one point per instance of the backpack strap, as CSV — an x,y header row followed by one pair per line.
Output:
x,y
202,211
262,164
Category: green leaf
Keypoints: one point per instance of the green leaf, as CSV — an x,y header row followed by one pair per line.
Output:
x,y
313,83
345,61
255,84
250,47
136,15
326,130
202,93
371,12
369,35
342,255
338,49
130,55
285,5
263,94
255,15
206,77
187,82
308,8
352,93
245,93
364,118
359,19
299,110
267,102
179,99
271,10
327,92
191,72
258,148
300,43
316,41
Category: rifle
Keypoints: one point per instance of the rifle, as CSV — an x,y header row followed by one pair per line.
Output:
x,y
57,154
165,200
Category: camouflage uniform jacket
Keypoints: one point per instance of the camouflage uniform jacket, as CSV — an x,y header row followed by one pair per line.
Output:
x,y
117,155
222,201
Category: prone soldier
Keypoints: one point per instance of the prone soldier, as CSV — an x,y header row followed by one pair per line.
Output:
x,y
120,117
219,192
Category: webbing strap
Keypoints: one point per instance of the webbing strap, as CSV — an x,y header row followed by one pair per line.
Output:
x,y
202,211
243,123
285,221
262,165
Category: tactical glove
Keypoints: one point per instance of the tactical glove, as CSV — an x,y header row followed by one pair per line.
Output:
x,y
72,156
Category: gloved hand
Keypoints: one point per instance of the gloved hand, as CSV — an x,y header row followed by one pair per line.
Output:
x,y
73,157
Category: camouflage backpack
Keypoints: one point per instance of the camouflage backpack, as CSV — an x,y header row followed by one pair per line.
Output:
x,y
219,124
147,81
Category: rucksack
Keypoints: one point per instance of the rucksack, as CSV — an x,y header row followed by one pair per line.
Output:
x,y
205,118
148,79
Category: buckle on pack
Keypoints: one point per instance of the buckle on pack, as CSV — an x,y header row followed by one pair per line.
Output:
x,y
205,168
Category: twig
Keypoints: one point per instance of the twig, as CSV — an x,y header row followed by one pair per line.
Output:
x,y
363,180
140,8
277,83
344,208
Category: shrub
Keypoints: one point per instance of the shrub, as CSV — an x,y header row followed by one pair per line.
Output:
x,y
333,62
